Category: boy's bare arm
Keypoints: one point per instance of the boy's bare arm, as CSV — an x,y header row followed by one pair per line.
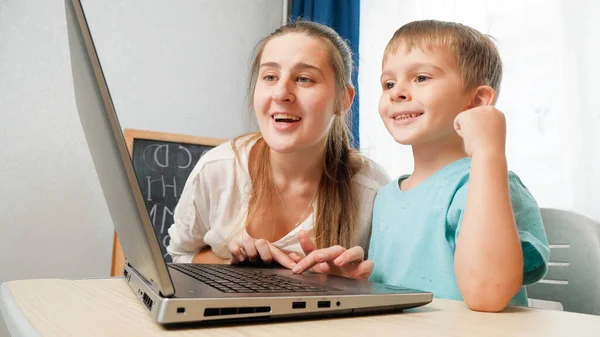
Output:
x,y
488,257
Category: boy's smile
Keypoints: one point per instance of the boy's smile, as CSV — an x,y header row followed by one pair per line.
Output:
x,y
422,94
405,117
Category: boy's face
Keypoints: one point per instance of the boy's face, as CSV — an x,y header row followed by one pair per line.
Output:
x,y
422,94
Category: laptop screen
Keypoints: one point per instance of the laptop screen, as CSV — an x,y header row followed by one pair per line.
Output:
x,y
110,156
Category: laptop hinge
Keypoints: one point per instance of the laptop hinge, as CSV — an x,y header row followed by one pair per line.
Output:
x,y
150,284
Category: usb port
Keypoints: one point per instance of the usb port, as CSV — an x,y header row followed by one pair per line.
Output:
x,y
323,304
298,305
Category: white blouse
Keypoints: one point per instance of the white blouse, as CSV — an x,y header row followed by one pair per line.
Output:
x,y
214,205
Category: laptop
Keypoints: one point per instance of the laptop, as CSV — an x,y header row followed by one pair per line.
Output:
x,y
179,293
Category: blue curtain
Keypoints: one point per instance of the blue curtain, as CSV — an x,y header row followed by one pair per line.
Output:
x,y
344,17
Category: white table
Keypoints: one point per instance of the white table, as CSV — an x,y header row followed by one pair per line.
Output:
x,y
107,307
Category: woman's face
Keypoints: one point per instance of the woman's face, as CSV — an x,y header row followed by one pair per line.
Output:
x,y
295,93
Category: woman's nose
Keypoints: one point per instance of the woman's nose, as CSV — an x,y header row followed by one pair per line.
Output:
x,y
283,93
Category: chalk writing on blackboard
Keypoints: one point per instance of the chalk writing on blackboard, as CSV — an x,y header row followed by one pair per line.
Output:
x,y
162,164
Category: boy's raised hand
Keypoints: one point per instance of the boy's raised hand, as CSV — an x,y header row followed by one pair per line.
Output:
x,y
335,260
483,128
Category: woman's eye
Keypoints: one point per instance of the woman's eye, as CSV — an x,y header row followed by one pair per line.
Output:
x,y
303,79
421,78
269,78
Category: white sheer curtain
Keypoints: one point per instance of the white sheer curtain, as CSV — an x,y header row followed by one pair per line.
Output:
x,y
549,89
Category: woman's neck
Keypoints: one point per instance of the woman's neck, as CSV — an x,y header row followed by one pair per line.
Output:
x,y
298,168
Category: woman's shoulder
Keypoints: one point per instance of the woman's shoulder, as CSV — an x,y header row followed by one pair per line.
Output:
x,y
372,175
223,157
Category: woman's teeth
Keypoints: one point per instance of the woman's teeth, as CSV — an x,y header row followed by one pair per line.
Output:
x,y
285,118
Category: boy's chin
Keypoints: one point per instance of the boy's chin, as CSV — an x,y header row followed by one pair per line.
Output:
x,y
404,142
405,139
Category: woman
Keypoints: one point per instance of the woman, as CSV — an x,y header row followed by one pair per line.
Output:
x,y
248,199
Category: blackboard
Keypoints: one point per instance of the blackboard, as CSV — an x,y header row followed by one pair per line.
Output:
x,y
162,164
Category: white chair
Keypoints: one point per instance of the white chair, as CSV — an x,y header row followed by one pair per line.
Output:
x,y
573,277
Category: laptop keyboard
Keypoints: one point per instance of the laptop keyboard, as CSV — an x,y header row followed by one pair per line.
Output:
x,y
231,279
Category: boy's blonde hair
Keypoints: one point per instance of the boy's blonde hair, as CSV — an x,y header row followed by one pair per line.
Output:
x,y
476,55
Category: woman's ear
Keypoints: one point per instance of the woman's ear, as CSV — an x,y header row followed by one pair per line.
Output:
x,y
347,100
484,95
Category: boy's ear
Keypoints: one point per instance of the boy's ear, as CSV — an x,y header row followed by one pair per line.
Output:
x,y
484,95
347,100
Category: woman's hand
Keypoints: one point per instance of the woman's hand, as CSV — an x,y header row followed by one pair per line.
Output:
x,y
335,260
257,251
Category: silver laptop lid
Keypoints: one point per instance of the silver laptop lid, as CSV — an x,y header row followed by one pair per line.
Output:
x,y
111,157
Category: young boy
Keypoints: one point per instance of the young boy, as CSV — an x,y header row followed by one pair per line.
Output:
x,y
461,225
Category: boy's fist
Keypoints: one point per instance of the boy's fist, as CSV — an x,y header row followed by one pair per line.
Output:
x,y
483,130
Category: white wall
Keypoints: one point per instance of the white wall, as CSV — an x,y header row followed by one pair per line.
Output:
x,y
179,69
549,88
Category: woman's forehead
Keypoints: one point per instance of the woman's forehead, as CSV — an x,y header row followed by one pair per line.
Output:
x,y
296,48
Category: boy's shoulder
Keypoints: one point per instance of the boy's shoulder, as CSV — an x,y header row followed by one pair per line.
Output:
x,y
459,182
452,176
458,176
452,180
391,186
372,176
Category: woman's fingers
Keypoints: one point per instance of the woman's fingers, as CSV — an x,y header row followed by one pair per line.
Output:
x,y
237,255
323,268
308,246
264,250
353,255
281,257
363,270
295,257
318,256
250,249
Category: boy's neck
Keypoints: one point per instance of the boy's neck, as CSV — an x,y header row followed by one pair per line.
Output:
x,y
432,157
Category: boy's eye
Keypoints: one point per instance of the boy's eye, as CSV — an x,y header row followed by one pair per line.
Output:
x,y
421,78
388,85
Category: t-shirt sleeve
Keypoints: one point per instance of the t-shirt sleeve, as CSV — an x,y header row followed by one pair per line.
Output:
x,y
529,226
536,251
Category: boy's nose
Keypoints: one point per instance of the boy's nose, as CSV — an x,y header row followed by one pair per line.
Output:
x,y
399,94
404,96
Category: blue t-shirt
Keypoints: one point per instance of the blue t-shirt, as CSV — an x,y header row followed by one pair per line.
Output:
x,y
414,233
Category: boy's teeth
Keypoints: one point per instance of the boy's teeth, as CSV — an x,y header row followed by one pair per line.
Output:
x,y
407,116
